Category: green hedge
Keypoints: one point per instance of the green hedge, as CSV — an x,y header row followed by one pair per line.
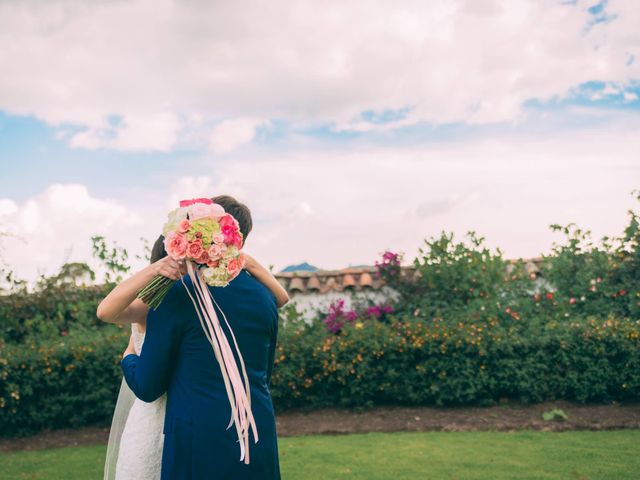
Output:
x,y
74,382
419,362
50,312
66,383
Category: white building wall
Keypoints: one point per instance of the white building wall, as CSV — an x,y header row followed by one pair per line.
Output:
x,y
309,304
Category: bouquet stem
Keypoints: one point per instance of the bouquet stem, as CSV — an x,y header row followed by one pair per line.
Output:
x,y
155,291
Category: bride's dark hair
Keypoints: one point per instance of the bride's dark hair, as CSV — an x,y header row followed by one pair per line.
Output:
x,y
239,211
158,251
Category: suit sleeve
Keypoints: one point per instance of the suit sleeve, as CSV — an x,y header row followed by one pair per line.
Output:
x,y
148,375
272,348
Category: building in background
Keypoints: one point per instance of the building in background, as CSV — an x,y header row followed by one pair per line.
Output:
x,y
313,290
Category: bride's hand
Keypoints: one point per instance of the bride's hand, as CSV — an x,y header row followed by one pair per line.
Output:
x,y
130,348
249,262
170,268
266,278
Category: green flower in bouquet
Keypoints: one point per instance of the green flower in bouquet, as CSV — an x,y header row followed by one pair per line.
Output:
x,y
174,218
203,228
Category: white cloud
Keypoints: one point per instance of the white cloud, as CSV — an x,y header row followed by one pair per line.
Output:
x,y
202,186
158,132
339,208
7,207
301,210
230,134
158,63
56,225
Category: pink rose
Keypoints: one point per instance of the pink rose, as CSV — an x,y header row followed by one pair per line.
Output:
x,y
175,245
200,210
232,237
204,258
215,251
194,249
218,238
213,263
237,240
242,259
184,226
233,267
228,227
217,210
227,219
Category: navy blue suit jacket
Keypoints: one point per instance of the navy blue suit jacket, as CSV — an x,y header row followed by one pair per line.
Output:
x,y
177,358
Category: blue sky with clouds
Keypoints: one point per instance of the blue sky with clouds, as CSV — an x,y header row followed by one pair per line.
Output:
x,y
385,125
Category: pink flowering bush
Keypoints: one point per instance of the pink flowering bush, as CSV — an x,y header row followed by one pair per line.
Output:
x,y
338,316
378,312
389,267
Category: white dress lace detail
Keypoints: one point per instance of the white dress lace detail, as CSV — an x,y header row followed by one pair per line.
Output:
x,y
140,454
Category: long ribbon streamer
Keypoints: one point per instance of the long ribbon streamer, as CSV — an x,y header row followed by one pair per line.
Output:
x,y
239,394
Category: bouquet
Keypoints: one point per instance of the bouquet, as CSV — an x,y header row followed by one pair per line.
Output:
x,y
201,232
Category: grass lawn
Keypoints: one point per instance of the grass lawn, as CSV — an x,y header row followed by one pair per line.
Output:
x,y
581,455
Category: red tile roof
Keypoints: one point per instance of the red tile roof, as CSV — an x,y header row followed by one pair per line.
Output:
x,y
360,278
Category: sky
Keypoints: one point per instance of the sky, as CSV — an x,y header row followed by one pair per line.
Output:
x,y
348,127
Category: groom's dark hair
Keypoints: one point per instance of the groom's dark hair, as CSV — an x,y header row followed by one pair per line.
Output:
x,y
239,211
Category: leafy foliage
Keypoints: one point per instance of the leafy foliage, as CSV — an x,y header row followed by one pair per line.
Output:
x,y
415,361
555,414
468,328
61,303
69,382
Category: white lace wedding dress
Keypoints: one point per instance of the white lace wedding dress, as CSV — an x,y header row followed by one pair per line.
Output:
x,y
140,451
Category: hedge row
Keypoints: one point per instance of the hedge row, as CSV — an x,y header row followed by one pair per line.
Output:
x,y
420,362
74,382
62,384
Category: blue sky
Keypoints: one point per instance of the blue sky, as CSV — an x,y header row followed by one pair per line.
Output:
x,y
498,116
29,145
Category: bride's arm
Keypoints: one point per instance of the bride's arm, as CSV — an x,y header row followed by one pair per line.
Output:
x,y
121,304
266,278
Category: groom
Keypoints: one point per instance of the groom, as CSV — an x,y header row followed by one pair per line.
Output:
x,y
177,358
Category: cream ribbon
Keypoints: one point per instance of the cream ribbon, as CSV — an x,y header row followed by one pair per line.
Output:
x,y
239,394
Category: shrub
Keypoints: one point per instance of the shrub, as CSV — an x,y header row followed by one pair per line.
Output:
x,y
405,360
415,361
71,382
51,312
597,280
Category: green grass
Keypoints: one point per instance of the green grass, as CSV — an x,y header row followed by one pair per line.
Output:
x,y
609,455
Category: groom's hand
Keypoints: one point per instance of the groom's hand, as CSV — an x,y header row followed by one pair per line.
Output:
x,y
130,348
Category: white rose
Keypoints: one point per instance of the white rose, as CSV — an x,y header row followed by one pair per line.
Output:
x,y
173,219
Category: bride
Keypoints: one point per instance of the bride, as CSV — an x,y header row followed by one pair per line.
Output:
x,y
136,439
